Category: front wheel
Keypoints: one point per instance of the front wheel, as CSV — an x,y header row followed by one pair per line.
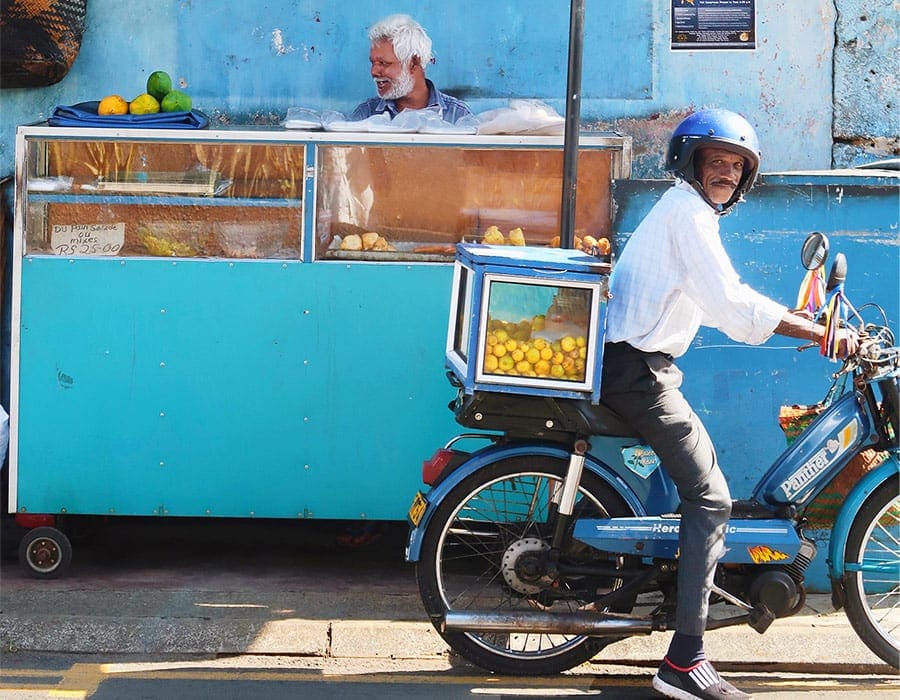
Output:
x,y
872,562
45,552
475,554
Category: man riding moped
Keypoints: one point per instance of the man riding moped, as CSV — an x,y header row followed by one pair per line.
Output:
x,y
672,277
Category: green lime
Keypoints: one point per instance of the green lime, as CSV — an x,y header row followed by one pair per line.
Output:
x,y
144,104
176,101
159,83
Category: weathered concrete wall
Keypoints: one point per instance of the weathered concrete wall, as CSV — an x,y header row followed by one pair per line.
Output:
x,y
248,62
866,81
737,389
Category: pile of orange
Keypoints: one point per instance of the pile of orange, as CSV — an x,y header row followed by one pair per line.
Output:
x,y
518,349
160,96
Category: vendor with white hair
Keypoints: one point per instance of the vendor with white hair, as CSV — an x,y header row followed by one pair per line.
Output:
x,y
400,50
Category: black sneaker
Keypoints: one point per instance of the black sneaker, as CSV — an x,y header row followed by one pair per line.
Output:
x,y
698,681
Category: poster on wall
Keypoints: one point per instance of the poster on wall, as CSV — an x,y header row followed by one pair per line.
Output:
x,y
713,24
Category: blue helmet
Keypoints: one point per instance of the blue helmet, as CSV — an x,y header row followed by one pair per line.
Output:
x,y
719,128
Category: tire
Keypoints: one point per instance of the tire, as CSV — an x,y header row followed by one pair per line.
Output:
x,y
871,594
461,559
45,552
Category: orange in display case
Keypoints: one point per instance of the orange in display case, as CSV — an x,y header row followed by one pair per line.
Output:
x,y
527,320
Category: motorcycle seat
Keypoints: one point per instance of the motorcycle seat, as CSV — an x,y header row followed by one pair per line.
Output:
x,y
538,416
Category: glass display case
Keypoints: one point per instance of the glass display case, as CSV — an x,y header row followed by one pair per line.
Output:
x,y
163,198
529,323
248,194
393,202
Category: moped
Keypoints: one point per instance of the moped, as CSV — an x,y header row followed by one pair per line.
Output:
x,y
560,536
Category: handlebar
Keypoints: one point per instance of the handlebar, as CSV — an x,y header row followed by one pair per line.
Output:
x,y
876,355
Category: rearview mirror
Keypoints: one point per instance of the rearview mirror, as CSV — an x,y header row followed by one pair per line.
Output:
x,y
814,252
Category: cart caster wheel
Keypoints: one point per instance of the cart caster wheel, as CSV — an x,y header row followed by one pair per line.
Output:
x,y
45,552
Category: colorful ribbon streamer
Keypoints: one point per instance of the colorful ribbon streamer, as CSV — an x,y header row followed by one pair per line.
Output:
x,y
812,292
834,316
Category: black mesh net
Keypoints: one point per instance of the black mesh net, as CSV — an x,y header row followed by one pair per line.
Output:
x,y
39,40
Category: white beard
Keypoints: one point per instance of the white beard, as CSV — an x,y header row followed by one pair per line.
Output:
x,y
400,87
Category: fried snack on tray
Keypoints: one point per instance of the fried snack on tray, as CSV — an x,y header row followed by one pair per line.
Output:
x,y
368,241
375,241
493,236
516,237
556,242
586,244
352,241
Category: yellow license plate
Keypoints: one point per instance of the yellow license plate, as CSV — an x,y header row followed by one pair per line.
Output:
x,y
417,509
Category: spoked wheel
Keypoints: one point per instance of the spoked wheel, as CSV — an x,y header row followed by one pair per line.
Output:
x,y
482,551
872,563
45,552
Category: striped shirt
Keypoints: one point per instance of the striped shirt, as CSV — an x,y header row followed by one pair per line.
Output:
x,y
674,276
452,109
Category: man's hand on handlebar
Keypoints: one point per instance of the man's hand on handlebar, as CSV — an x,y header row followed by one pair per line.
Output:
x,y
847,342
796,324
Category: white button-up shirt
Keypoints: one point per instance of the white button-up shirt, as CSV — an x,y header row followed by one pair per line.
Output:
x,y
674,276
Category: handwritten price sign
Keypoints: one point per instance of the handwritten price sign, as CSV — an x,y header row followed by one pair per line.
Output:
x,y
87,239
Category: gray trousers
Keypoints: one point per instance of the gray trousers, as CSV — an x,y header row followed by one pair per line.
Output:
x,y
644,388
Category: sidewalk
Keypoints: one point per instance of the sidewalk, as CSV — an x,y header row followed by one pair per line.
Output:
x,y
257,587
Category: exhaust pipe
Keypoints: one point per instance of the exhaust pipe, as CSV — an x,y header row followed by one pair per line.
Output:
x,y
587,623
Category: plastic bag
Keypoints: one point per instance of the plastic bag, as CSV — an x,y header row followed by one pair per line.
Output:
x,y
522,117
408,121
302,118
430,122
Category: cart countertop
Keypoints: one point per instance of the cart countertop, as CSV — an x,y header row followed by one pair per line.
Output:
x,y
274,133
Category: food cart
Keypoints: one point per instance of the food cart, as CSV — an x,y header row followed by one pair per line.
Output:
x,y
243,322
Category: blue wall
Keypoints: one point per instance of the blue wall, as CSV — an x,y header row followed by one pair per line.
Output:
x,y
737,389
248,62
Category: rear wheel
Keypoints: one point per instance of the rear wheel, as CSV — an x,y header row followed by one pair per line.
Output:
x,y
472,558
872,563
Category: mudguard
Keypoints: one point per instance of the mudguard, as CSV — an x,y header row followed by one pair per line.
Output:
x,y
837,545
490,455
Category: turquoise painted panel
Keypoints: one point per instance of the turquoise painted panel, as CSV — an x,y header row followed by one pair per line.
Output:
x,y
230,389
